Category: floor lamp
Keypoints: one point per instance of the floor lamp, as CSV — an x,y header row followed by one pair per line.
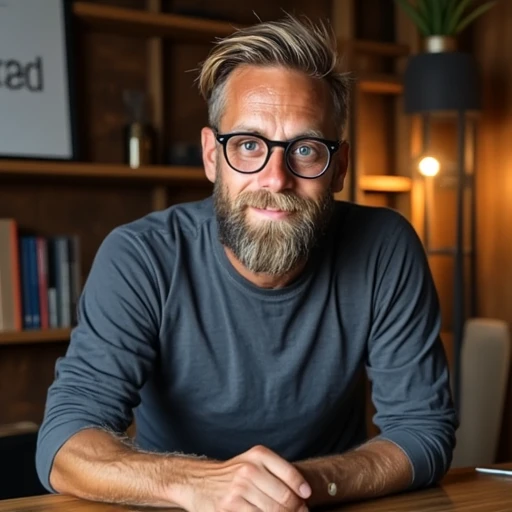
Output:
x,y
439,83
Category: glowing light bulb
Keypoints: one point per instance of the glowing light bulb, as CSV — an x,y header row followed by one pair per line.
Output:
x,y
429,166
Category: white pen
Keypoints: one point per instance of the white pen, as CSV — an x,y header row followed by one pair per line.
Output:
x,y
495,471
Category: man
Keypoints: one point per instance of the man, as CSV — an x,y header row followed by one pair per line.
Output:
x,y
238,327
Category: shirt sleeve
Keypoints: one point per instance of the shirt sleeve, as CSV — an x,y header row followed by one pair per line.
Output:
x,y
111,350
406,359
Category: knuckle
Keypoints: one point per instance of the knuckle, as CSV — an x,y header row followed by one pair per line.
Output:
x,y
232,498
247,470
288,498
258,450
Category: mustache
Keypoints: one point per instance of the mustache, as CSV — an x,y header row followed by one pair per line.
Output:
x,y
262,199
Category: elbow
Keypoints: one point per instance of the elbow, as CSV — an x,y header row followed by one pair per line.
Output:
x,y
44,467
430,451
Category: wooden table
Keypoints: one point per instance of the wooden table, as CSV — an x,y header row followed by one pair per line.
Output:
x,y
462,490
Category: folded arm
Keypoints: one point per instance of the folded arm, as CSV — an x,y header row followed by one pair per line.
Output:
x,y
407,366
110,355
376,468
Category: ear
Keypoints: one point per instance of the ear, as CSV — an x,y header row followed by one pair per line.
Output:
x,y
209,146
340,170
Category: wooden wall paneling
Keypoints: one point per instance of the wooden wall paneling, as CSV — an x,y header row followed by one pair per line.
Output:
x,y
343,24
159,198
406,131
492,43
155,82
26,371
185,110
376,142
375,20
156,94
110,64
245,13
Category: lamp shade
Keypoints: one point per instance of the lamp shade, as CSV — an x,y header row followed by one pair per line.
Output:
x,y
441,81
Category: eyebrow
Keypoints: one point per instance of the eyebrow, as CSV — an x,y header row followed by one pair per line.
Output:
x,y
306,133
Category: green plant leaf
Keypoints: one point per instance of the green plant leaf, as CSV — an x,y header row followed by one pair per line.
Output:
x,y
425,7
437,21
475,14
448,16
415,16
422,8
457,15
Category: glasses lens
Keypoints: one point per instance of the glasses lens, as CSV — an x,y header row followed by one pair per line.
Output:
x,y
308,157
246,153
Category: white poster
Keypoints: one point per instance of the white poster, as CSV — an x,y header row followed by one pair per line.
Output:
x,y
35,110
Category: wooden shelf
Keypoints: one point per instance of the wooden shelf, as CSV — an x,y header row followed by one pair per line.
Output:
x,y
135,22
377,48
35,336
383,183
380,84
98,171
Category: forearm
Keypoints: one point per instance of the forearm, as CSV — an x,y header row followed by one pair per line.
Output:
x,y
375,469
95,465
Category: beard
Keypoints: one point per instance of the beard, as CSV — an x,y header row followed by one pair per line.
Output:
x,y
271,247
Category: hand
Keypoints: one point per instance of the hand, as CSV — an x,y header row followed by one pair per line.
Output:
x,y
255,481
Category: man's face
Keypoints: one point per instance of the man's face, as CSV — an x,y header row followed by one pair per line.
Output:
x,y
270,220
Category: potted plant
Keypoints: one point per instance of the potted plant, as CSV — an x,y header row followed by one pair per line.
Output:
x,y
442,78
440,21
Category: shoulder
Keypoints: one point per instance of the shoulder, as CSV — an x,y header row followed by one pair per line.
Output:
x,y
156,235
185,217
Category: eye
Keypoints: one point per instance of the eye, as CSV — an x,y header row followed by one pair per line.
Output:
x,y
304,151
249,145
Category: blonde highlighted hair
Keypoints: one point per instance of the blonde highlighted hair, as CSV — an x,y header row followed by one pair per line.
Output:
x,y
291,43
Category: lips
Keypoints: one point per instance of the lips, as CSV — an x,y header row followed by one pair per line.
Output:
x,y
272,213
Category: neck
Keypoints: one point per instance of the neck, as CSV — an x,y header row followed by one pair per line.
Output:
x,y
265,280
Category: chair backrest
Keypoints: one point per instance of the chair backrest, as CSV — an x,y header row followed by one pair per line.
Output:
x,y
485,364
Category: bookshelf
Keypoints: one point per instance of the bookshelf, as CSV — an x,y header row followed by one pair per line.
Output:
x,y
383,183
149,24
380,84
34,336
376,48
98,171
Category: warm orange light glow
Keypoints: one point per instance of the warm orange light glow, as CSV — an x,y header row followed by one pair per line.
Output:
x,y
429,166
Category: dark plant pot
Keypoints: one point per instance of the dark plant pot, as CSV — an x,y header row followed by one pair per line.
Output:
x,y
441,81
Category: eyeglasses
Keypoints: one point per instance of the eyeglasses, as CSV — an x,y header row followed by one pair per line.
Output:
x,y
306,157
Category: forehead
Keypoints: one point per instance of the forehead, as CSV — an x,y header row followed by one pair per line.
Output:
x,y
276,98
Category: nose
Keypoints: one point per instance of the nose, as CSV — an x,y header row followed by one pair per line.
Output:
x,y
275,176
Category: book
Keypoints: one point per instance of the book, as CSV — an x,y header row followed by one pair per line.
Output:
x,y
10,286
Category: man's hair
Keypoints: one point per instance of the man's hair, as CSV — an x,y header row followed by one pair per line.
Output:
x,y
291,43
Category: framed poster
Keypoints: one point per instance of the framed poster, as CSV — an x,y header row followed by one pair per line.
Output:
x,y
36,94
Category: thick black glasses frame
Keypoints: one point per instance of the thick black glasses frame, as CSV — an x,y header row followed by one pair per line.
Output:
x,y
332,146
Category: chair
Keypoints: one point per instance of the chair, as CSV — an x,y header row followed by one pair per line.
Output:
x,y
18,477
485,364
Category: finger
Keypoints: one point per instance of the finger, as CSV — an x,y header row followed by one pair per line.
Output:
x,y
263,502
246,506
283,470
267,491
238,504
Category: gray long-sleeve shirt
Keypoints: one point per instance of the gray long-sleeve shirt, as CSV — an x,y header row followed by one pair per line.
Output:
x,y
213,365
